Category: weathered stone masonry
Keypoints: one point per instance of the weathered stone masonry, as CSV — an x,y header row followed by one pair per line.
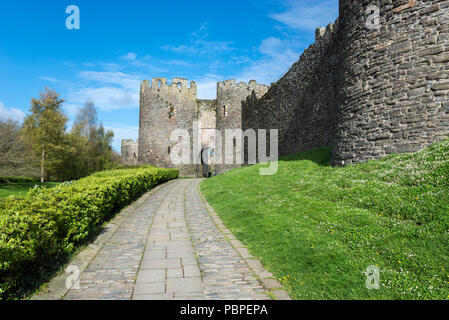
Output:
x,y
130,152
366,93
163,109
166,107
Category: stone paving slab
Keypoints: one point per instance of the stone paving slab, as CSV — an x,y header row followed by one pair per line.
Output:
x,y
171,246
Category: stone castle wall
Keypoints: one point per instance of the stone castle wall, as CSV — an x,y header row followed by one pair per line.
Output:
x,y
130,152
363,92
165,108
366,93
229,111
395,89
302,105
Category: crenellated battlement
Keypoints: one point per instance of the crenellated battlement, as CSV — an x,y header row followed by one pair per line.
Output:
x,y
229,85
240,91
326,33
177,85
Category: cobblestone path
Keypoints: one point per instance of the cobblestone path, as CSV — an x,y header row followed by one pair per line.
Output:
x,y
169,248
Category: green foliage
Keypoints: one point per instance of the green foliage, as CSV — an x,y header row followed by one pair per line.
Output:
x,y
91,144
318,228
65,155
44,129
16,156
49,223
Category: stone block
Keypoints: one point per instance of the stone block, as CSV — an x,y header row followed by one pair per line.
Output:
x,y
148,276
184,285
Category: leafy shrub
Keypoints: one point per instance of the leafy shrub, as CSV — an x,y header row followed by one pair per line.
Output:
x,y
46,224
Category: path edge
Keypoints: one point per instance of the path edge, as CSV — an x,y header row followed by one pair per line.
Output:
x,y
265,277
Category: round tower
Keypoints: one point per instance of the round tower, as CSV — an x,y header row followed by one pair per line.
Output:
x,y
163,109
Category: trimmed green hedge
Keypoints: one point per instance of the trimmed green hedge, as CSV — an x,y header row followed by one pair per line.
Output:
x,y
49,223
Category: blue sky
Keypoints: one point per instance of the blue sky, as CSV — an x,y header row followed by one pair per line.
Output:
x,y
121,43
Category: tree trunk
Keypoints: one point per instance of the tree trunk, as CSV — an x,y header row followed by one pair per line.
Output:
x,y
42,163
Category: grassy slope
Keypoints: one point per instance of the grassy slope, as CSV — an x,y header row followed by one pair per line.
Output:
x,y
318,228
21,188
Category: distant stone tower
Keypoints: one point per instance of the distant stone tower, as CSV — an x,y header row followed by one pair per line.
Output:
x,y
130,152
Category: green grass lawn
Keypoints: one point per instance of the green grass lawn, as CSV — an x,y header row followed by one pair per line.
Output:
x,y
318,228
21,188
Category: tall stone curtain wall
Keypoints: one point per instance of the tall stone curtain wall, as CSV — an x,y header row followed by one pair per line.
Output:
x,y
396,86
364,92
303,104
165,108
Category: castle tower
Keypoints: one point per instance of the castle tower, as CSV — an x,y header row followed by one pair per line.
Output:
x,y
230,96
130,152
163,109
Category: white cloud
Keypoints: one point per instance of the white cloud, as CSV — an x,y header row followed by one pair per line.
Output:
x,y
180,63
115,78
199,46
122,132
279,53
277,57
202,31
50,79
108,98
271,46
11,113
130,56
110,90
207,89
71,109
132,60
307,14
